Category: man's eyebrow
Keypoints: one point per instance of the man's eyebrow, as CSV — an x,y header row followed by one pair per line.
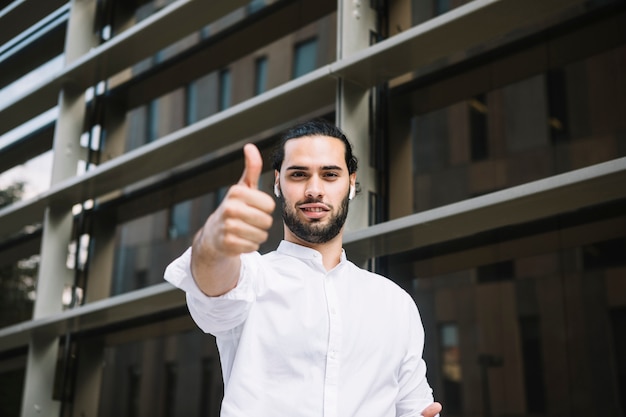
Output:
x,y
305,168
331,168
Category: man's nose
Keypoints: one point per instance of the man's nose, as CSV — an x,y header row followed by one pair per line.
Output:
x,y
314,188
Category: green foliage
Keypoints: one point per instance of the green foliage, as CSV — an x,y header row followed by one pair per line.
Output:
x,y
11,194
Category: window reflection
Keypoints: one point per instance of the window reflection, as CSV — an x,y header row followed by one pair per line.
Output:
x,y
451,372
305,57
534,128
510,316
172,374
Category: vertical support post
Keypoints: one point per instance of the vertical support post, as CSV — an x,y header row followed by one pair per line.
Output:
x,y
43,350
356,22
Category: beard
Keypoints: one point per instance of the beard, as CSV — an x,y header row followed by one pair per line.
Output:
x,y
315,232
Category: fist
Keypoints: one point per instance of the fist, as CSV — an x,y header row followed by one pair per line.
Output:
x,y
241,222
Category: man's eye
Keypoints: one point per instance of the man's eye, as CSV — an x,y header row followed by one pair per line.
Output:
x,y
297,174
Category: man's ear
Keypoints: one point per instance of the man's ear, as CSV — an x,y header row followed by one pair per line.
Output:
x,y
276,182
352,186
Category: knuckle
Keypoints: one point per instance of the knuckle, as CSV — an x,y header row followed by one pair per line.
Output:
x,y
267,222
230,211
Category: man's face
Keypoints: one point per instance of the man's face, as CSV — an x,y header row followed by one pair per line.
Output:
x,y
314,184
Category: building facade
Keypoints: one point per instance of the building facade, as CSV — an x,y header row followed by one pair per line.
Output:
x,y
492,144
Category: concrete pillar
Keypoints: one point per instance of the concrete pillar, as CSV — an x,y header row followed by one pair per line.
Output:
x,y
356,21
43,350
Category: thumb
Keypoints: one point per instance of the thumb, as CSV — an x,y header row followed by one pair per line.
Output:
x,y
253,166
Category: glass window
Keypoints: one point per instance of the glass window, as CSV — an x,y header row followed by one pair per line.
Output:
x,y
172,369
618,324
179,220
225,89
213,386
152,121
156,119
255,5
145,245
191,115
260,75
510,346
170,389
12,375
133,383
441,6
139,249
17,290
305,57
202,97
451,366
534,128
479,143
532,356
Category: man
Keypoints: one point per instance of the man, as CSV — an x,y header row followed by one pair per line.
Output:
x,y
302,331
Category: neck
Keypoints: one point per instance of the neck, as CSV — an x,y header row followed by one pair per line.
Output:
x,y
330,251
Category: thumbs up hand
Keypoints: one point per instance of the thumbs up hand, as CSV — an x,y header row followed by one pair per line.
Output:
x,y
239,225
241,222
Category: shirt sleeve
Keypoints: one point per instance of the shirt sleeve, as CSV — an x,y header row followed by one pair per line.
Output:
x,y
216,315
415,394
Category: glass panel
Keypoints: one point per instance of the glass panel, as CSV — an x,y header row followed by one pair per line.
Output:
x,y
544,125
618,324
423,10
260,75
180,219
305,57
12,375
441,6
255,5
225,91
202,97
208,91
17,290
146,245
451,367
177,374
157,119
527,320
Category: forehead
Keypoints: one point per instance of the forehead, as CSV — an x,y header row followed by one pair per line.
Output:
x,y
315,151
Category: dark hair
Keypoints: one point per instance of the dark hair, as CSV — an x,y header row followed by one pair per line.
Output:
x,y
317,127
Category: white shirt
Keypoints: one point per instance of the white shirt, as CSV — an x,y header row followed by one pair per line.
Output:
x,y
297,340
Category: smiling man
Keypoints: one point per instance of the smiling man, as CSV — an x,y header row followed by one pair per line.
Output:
x,y
302,331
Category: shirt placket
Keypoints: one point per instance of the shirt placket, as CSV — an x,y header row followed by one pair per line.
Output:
x,y
333,354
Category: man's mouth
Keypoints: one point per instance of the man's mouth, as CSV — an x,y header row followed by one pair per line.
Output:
x,y
314,210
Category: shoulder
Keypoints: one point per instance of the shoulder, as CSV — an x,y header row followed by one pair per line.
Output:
x,y
384,286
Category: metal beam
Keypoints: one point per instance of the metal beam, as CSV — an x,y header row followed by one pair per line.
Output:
x,y
95,315
277,106
562,193
264,27
477,22
20,15
26,148
28,54
141,41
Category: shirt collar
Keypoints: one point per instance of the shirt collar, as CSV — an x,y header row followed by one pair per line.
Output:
x,y
302,252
